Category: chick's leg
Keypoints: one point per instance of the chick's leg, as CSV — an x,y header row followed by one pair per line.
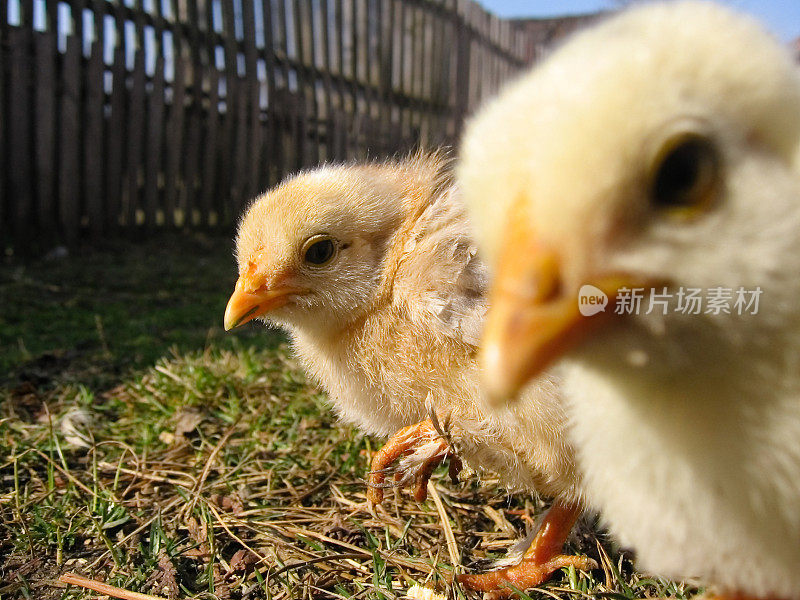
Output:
x,y
421,439
541,559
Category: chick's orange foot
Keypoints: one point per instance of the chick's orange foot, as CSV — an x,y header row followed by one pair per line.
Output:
x,y
527,574
418,449
540,560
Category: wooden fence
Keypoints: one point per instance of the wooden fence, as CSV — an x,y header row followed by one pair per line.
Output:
x,y
131,115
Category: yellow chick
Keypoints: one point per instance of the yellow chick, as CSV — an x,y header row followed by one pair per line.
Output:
x,y
657,155
373,272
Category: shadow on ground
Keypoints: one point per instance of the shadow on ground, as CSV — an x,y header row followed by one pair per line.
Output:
x,y
92,315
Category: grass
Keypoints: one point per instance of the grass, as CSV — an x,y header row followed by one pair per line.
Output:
x,y
101,312
143,447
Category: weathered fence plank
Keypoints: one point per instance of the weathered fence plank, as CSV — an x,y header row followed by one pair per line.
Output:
x,y
322,35
210,150
175,135
251,132
154,141
153,146
5,204
210,120
297,89
278,106
19,130
268,56
45,131
69,141
307,80
135,135
190,194
227,159
115,132
92,130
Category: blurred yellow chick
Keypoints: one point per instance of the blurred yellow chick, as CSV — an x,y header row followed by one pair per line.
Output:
x,y
373,272
657,155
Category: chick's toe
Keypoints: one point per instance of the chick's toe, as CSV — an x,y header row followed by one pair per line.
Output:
x,y
539,561
419,449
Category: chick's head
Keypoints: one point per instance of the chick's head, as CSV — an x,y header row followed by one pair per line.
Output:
x,y
658,149
310,251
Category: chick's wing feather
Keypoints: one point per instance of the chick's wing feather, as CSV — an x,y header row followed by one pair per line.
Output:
x,y
440,279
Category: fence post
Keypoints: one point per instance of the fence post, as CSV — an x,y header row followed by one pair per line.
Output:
x,y
173,174
5,205
116,136
463,56
152,162
252,147
19,131
270,163
93,121
69,146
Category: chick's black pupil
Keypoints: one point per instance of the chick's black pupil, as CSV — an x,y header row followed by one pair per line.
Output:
x,y
320,252
682,172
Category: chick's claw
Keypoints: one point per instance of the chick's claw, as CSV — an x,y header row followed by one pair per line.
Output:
x,y
540,560
454,468
426,450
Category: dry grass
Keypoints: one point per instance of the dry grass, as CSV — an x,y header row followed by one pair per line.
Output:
x,y
220,473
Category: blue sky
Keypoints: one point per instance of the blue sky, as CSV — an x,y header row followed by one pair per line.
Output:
x,y
781,16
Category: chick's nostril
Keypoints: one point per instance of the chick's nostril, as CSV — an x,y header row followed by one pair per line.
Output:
x,y
546,282
541,282
254,279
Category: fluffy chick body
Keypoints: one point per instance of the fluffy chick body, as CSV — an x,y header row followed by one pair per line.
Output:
x,y
393,321
687,425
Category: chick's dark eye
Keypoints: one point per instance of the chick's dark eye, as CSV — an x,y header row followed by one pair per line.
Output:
x,y
687,175
320,252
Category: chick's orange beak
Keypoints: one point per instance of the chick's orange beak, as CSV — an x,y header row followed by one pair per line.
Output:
x,y
532,319
252,298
